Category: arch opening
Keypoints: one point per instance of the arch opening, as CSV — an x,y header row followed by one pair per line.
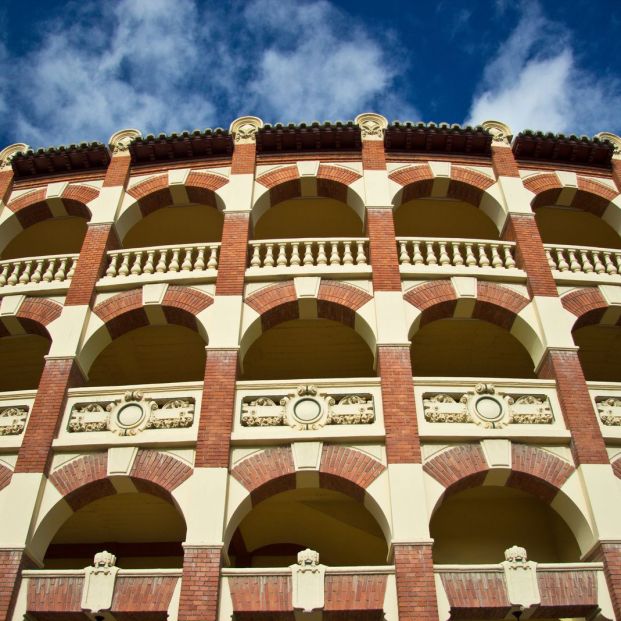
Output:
x,y
600,352
574,227
143,530
173,224
60,235
468,348
443,218
476,526
337,526
308,348
23,359
148,355
306,217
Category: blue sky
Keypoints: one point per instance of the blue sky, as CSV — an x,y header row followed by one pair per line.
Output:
x,y
79,71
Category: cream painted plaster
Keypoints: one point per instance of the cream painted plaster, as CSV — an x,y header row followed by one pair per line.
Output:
x,y
67,330
555,322
236,195
516,197
376,189
222,321
409,513
390,317
602,491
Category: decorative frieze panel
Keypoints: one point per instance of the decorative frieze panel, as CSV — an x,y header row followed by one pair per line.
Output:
x,y
307,408
131,414
609,410
13,420
487,407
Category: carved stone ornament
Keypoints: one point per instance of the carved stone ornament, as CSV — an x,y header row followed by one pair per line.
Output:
x,y
485,407
99,580
614,139
521,578
372,126
13,420
132,414
516,554
119,142
500,132
307,409
245,128
609,410
8,153
307,579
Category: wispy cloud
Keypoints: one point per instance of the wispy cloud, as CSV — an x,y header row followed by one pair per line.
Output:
x,y
161,66
535,81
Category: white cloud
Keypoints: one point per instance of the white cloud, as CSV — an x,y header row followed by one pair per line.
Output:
x,y
535,82
160,65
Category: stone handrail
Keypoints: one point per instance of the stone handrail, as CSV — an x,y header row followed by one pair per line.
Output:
x,y
163,260
464,253
319,252
34,270
583,259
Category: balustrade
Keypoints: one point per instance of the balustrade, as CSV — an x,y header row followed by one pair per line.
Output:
x,y
183,259
584,259
36,270
305,253
456,253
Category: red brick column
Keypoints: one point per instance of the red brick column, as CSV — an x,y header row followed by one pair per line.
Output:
x,y
11,564
6,184
200,583
616,171
416,590
610,553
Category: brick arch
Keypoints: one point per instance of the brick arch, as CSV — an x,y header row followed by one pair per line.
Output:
x,y
34,207
616,467
587,304
33,315
285,183
125,311
590,195
5,476
533,470
278,303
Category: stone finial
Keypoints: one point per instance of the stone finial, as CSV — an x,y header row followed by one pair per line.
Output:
x,y
8,153
372,126
119,142
500,132
516,554
104,559
244,129
614,139
308,558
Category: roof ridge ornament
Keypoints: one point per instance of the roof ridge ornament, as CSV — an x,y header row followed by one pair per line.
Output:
x,y
8,153
614,139
372,125
500,132
244,129
120,141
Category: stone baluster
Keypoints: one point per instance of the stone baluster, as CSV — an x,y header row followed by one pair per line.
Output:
x,y
295,254
199,264
587,266
38,272
458,259
281,260
563,266
483,258
4,274
574,266
618,261
149,266
496,260
610,266
404,256
124,269
471,260
598,266
71,272
255,260
212,262
509,260
322,257
348,259
444,258
13,278
48,276
111,271
136,269
334,253
308,254
551,261
431,254
25,275
61,271
268,261
173,266
361,257
186,265
417,255
160,268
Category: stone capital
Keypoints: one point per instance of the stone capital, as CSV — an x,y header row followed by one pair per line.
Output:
x,y
372,126
244,129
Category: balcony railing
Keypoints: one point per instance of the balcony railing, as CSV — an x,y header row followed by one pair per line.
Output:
x,y
322,254
434,253
176,261
50,270
580,260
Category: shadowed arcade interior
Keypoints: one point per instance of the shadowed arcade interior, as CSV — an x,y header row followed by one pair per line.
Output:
x,y
468,348
340,528
300,218
600,352
477,525
150,355
186,224
308,348
443,217
144,531
23,360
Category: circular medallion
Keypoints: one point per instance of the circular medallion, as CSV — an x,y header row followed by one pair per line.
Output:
x,y
130,415
488,408
307,410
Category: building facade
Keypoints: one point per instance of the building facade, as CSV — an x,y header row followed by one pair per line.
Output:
x,y
345,371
